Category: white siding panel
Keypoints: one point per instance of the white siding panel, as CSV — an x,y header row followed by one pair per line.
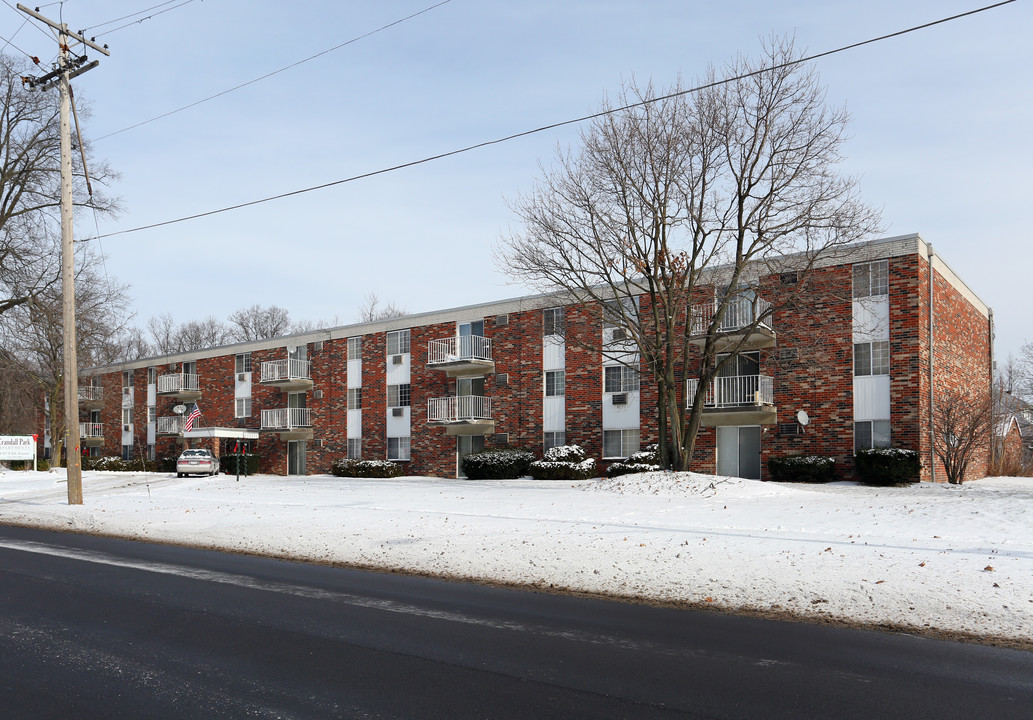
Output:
x,y
871,319
398,374
872,397
398,426
554,350
620,417
354,373
354,424
554,414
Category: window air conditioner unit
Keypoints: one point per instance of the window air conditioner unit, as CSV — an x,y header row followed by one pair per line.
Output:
x,y
620,399
317,345
125,391
241,377
501,320
125,428
317,394
397,412
620,334
396,359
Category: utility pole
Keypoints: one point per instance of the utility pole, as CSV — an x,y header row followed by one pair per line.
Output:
x,y
67,68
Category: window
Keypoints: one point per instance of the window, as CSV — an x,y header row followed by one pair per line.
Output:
x,y
788,278
398,448
354,448
554,321
243,362
872,358
620,443
127,416
555,380
871,279
127,452
398,342
127,378
152,414
398,395
152,375
619,379
354,398
242,408
555,439
355,348
871,434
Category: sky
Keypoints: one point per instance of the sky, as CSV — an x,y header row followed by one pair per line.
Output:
x,y
928,557
939,134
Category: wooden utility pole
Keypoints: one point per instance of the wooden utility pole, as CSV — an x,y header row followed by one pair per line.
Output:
x,y
67,68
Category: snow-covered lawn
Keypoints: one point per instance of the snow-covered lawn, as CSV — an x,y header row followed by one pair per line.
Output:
x,y
935,558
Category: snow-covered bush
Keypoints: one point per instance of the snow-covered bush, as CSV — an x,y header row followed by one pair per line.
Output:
x,y
887,466
642,461
802,468
565,462
496,464
113,463
346,467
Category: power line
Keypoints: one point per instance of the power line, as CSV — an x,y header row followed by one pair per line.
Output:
x,y
274,72
555,125
137,22
138,12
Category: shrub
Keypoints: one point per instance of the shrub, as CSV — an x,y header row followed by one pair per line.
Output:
x,y
248,464
802,468
566,462
496,464
887,466
346,467
642,461
42,465
167,464
113,463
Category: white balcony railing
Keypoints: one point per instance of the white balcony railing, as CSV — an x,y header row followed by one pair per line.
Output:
x,y
739,313
91,430
91,393
170,425
286,369
457,349
177,382
734,391
465,408
286,418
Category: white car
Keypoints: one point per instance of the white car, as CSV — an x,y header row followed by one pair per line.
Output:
x,y
197,462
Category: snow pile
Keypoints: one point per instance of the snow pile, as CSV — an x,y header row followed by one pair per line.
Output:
x,y
934,558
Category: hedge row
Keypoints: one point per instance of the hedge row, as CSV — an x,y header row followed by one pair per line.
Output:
x,y
346,467
888,466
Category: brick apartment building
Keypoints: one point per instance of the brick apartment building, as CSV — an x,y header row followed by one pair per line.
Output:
x,y
423,389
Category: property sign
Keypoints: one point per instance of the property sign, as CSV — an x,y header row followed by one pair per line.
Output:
x,y
17,447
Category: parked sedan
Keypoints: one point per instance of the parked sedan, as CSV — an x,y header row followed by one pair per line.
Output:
x,y
197,462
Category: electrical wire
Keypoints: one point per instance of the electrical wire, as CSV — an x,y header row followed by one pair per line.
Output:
x,y
274,72
138,12
137,22
553,126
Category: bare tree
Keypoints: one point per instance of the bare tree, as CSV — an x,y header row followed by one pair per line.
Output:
x,y
168,338
681,196
32,339
258,323
372,309
30,187
963,427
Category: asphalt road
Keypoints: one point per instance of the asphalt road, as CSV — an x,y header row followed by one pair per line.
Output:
x,y
99,628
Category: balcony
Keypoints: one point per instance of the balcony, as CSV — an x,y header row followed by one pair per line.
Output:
x,y
91,397
739,316
291,423
172,425
288,374
463,356
463,415
736,400
182,386
91,434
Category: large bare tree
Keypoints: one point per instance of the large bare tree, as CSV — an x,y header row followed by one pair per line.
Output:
x,y
30,186
962,430
677,196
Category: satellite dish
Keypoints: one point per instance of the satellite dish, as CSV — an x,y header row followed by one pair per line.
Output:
x,y
179,409
802,417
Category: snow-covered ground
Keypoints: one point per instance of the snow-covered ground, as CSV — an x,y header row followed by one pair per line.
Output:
x,y
934,558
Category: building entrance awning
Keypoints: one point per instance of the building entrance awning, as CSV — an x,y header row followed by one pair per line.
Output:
x,y
221,432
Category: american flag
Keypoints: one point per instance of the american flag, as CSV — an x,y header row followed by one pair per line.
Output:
x,y
194,414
